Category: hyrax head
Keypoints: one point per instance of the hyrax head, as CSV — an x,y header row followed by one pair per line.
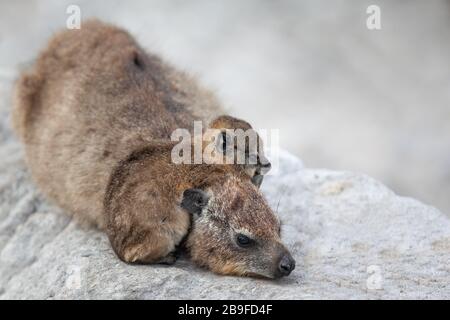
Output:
x,y
241,144
234,231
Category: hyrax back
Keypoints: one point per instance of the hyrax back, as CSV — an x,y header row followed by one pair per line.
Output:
x,y
92,97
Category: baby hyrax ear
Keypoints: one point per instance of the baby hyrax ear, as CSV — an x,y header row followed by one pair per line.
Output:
x,y
225,142
194,200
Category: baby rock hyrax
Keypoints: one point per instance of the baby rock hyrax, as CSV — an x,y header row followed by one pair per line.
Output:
x,y
96,113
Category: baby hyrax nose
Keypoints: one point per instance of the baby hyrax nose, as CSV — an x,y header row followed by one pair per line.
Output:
x,y
286,265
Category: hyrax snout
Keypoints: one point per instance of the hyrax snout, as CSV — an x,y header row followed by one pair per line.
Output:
x,y
96,113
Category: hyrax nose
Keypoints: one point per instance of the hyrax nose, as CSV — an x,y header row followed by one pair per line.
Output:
x,y
286,265
265,165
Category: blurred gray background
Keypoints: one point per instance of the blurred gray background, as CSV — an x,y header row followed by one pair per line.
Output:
x,y
343,97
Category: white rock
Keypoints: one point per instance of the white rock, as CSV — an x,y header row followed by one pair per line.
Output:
x,y
351,237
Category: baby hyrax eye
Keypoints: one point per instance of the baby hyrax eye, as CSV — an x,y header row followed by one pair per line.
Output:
x,y
244,241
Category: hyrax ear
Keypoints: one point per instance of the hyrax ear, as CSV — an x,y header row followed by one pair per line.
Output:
x,y
194,200
224,142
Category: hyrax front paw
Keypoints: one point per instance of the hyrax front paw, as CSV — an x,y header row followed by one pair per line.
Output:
x,y
170,259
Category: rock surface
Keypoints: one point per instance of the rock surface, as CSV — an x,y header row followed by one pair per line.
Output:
x,y
351,236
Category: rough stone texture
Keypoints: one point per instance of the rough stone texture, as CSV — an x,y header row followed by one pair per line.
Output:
x,y
351,236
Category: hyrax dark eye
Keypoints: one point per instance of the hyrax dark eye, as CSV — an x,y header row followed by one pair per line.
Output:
x,y
244,241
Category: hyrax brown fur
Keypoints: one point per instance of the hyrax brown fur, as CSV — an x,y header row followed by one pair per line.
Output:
x,y
96,113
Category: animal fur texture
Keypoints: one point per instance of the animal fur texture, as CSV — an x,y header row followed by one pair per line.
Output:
x,y
95,114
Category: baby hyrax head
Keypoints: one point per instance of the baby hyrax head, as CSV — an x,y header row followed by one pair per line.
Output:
x,y
234,231
241,144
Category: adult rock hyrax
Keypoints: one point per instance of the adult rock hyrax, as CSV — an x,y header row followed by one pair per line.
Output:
x,y
96,113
